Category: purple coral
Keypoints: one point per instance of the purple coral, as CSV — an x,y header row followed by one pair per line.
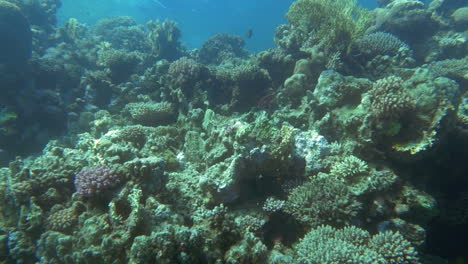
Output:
x,y
89,182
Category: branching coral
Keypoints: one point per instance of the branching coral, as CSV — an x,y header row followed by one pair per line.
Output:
x,y
349,167
122,32
322,200
380,43
151,114
222,47
120,62
184,74
389,99
164,40
353,245
333,23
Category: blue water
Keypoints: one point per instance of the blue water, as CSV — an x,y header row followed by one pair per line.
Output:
x,y
198,19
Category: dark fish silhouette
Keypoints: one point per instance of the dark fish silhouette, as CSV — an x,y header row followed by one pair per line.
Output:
x,y
3,157
249,33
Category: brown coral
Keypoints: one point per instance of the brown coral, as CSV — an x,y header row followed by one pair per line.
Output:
x,y
389,100
61,220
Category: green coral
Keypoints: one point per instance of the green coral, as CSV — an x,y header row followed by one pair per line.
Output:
x,y
352,245
331,21
164,40
121,63
7,116
150,113
349,167
322,200
282,149
389,99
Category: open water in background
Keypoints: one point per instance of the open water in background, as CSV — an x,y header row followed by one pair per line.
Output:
x,y
198,19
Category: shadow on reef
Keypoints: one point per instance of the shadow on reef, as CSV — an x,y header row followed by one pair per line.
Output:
x,y
443,174
281,229
31,107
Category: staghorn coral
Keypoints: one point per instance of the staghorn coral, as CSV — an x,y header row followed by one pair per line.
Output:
x,y
73,31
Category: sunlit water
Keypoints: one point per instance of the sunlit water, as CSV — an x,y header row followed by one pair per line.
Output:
x,y
198,19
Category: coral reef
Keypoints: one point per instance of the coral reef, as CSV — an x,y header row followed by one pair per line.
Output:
x,y
322,200
221,48
380,43
333,24
345,143
91,182
151,114
120,63
389,100
164,40
353,245
408,19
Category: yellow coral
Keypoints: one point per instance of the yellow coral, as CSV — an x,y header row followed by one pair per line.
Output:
x,y
282,150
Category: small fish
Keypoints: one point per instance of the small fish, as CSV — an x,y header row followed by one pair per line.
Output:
x,y
249,33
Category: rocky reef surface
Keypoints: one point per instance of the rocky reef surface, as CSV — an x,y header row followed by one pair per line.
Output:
x,y
346,143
